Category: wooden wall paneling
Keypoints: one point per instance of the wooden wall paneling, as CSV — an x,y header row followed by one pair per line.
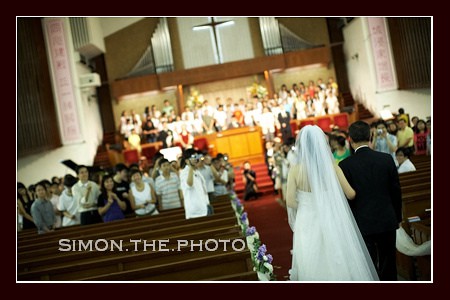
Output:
x,y
37,125
135,85
307,57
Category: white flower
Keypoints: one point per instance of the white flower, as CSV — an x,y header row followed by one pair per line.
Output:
x,y
265,258
269,267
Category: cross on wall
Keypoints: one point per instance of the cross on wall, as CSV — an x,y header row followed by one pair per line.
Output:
x,y
214,25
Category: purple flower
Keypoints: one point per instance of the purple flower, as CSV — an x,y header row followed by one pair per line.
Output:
x,y
261,252
244,217
250,231
269,258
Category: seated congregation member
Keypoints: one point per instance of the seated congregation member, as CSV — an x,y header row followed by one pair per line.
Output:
x,y
167,186
149,131
67,204
193,185
110,207
142,195
404,164
186,138
42,210
134,140
86,193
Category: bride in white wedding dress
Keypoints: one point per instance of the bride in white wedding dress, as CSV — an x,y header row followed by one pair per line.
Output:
x,y
327,244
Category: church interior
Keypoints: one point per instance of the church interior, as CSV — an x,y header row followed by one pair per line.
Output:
x,y
140,99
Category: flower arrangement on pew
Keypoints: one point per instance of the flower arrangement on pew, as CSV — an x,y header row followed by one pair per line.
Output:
x,y
237,206
244,222
263,264
252,237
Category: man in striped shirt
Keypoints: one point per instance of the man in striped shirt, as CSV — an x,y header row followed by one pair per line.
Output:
x,y
168,188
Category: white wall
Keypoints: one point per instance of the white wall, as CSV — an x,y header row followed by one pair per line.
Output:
x,y
111,25
44,165
362,79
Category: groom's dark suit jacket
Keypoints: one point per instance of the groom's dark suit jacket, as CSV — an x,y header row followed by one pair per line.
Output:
x,y
378,204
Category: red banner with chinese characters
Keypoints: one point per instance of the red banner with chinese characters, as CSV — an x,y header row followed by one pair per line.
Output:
x,y
381,54
63,83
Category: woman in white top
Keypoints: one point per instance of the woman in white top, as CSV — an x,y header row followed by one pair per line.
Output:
x,y
142,196
404,164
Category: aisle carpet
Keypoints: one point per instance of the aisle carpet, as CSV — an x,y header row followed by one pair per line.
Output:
x,y
270,220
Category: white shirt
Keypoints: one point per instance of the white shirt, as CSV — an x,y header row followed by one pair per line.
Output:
x,y
406,166
68,203
55,202
140,197
79,192
195,197
221,118
267,122
209,178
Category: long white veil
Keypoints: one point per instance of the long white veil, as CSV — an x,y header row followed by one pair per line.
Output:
x,y
339,239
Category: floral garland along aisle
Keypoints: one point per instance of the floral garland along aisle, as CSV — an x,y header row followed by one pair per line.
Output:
x,y
262,261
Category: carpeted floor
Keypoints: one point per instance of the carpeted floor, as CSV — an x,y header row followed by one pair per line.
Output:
x,y
270,220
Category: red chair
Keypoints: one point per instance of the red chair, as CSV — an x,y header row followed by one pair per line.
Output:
x,y
294,128
305,122
131,156
341,120
201,144
149,152
324,123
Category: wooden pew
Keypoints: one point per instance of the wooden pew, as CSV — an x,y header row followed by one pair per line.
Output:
x,y
420,159
416,197
162,230
39,258
421,232
192,269
57,259
415,203
76,270
106,232
405,182
407,189
175,214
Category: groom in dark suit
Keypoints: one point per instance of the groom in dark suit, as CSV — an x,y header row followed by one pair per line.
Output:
x,y
378,204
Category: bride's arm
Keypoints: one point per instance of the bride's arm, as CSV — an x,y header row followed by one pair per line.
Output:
x,y
291,196
292,187
348,190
